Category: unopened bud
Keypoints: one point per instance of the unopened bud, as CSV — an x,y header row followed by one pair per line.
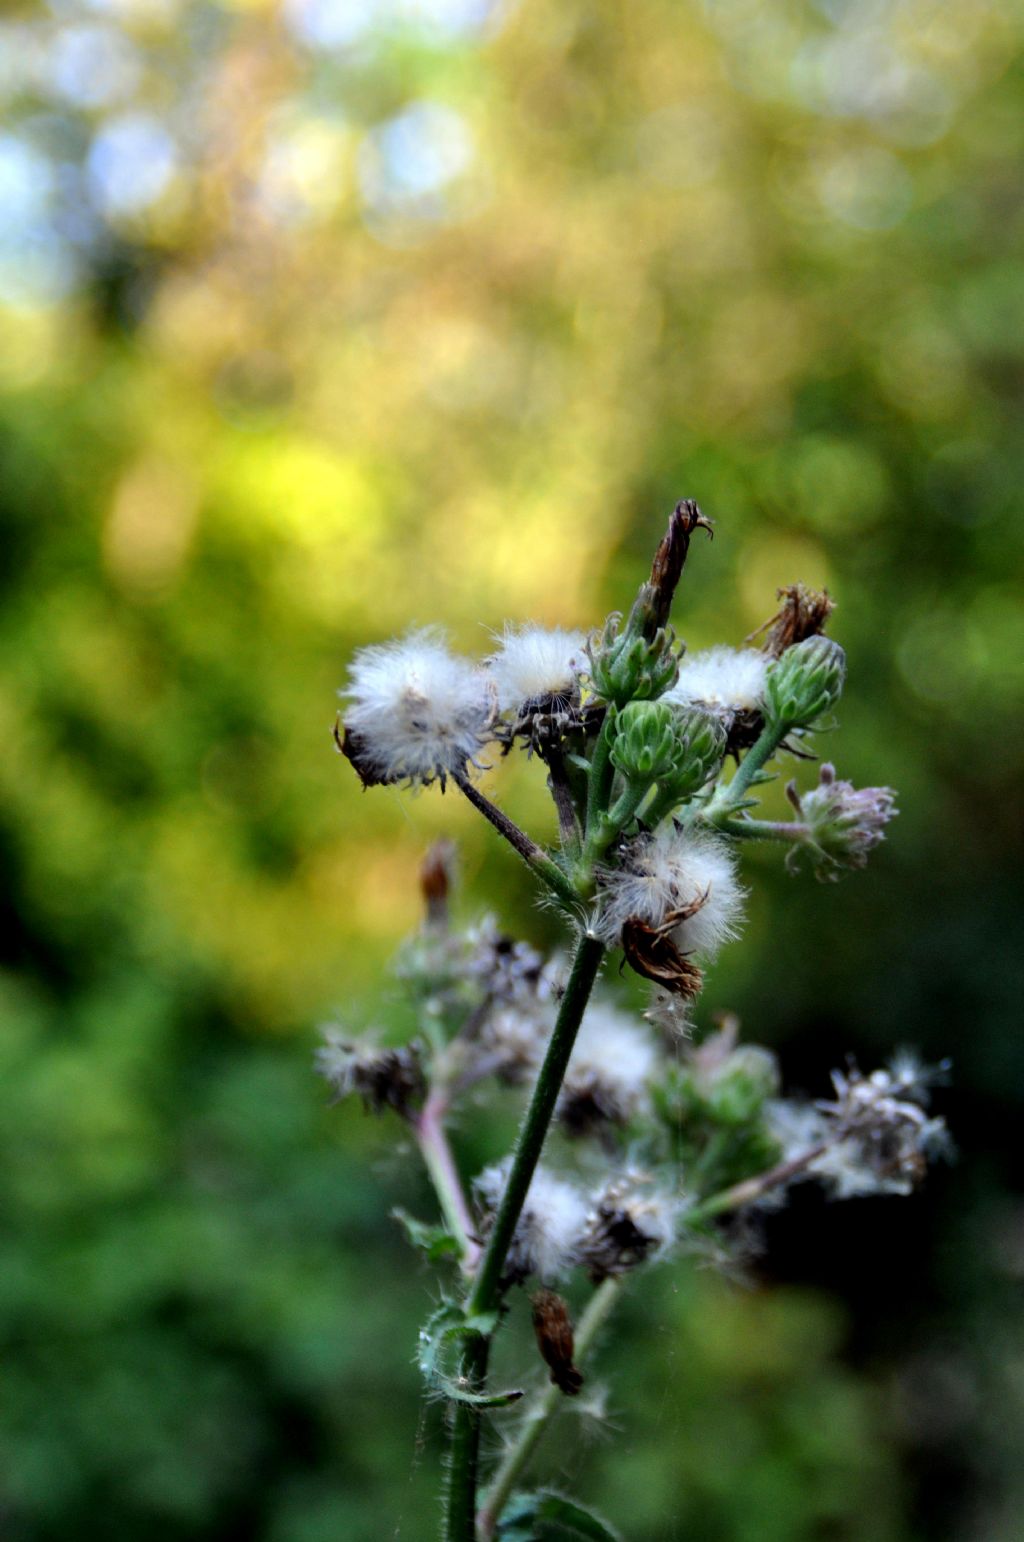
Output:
x,y
804,683
680,748
625,666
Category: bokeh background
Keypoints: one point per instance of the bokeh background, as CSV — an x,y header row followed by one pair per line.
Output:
x,y
325,318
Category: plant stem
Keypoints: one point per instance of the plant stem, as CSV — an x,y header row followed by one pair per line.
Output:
x,y
761,829
727,798
532,854
561,793
751,1189
547,1404
486,1293
428,1128
464,1446
602,775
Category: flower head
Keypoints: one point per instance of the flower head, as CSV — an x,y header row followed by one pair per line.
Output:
x,y
630,1221
383,1077
417,711
844,822
727,680
535,665
680,873
612,1063
551,1223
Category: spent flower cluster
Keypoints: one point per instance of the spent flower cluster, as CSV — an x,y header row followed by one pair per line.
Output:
x,y
641,1138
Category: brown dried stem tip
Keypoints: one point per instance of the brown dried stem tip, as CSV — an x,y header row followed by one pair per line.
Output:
x,y
552,1326
655,600
437,875
804,613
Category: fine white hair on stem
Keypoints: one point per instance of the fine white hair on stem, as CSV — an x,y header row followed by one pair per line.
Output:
x,y
550,1226
672,870
535,663
612,1064
417,711
727,679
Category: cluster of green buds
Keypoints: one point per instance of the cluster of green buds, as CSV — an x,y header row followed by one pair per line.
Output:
x,y
678,747
804,683
626,665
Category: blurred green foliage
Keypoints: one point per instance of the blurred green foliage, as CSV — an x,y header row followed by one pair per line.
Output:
x,y
325,319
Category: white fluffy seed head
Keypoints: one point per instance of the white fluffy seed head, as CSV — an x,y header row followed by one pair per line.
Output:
x,y
673,870
726,679
631,1221
612,1064
551,1224
417,711
534,663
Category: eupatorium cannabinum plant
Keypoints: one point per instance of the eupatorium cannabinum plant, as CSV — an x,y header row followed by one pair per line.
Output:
x,y
654,759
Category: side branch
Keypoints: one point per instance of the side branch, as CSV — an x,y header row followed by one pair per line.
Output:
x,y
532,854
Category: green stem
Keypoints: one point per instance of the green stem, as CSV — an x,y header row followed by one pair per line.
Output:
x,y
444,1175
537,1419
751,1189
532,854
727,798
486,1293
761,829
602,774
609,825
464,1446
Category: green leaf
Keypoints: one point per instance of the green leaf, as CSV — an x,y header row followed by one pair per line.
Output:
x,y
436,1243
444,1328
549,1517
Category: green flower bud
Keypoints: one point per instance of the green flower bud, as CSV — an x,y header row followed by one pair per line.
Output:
x,y
625,666
646,747
804,683
705,737
742,1084
679,748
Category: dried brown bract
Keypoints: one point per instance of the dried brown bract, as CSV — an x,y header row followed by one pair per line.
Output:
x,y
552,1327
652,953
355,752
803,613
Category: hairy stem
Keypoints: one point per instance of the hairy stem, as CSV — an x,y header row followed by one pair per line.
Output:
x,y
761,829
532,854
728,797
751,1189
561,792
464,1446
538,1417
602,775
432,1141
486,1293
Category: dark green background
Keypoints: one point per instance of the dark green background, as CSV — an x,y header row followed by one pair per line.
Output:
x,y
308,393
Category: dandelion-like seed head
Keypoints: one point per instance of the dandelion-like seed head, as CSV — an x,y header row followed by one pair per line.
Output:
x,y
727,680
383,1077
631,1221
550,1227
609,1072
417,711
669,871
536,665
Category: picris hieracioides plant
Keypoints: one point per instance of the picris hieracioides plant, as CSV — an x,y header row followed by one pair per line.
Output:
x,y
654,758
